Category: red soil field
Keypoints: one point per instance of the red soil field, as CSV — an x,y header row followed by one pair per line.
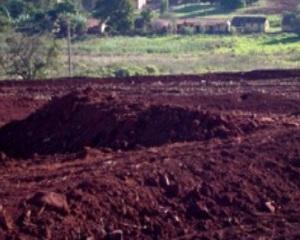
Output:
x,y
213,156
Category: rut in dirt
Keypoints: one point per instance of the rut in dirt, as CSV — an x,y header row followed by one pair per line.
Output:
x,y
76,120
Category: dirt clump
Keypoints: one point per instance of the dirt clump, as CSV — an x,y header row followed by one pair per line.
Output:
x,y
51,200
77,120
6,222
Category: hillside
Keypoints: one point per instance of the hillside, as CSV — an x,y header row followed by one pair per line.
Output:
x,y
269,7
276,6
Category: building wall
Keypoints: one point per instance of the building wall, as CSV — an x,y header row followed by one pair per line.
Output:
x,y
204,28
287,28
253,28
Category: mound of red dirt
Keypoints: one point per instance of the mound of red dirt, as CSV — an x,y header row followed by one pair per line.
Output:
x,y
77,120
220,190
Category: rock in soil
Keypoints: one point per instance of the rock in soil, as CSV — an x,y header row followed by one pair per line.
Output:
x,y
52,200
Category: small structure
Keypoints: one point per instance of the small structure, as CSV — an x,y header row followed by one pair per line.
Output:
x,y
211,26
250,24
139,4
95,26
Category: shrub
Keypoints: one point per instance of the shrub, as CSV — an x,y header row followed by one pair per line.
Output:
x,y
186,30
152,70
16,8
118,13
28,57
77,23
164,7
129,71
4,18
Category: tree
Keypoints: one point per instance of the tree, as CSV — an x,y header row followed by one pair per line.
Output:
x,y
16,8
55,19
5,21
147,16
164,7
119,14
28,57
89,5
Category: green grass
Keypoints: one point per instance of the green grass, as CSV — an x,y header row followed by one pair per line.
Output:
x,y
194,45
187,54
194,10
175,54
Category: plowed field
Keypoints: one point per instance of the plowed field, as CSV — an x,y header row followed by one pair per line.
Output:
x,y
215,156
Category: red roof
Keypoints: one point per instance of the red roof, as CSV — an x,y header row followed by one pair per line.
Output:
x,y
93,22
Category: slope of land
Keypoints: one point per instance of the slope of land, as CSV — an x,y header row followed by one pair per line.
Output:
x,y
268,7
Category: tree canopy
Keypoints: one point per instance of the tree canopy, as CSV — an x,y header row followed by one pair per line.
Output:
x,y
119,14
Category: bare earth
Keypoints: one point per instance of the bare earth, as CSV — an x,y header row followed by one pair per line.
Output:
x,y
215,156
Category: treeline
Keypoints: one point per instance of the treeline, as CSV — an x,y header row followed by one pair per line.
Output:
x,y
32,16
39,16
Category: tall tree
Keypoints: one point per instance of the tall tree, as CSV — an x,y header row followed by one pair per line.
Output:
x,y
88,5
164,7
119,14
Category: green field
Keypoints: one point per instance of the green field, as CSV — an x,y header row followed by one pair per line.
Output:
x,y
198,10
176,54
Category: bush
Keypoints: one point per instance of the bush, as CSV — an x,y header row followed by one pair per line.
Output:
x,y
152,70
130,71
4,18
164,7
186,30
77,22
118,13
16,8
137,71
28,57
